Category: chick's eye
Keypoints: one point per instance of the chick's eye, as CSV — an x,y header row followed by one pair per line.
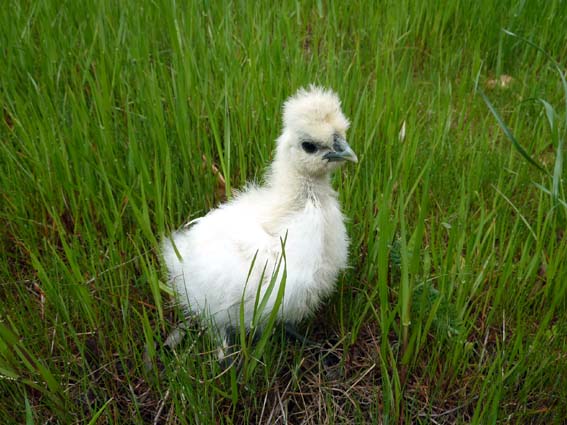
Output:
x,y
309,147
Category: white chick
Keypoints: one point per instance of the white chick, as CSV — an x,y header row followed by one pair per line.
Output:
x,y
211,272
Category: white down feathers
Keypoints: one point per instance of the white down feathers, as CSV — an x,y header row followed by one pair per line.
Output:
x,y
216,251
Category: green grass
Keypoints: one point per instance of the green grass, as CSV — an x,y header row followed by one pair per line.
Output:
x,y
122,120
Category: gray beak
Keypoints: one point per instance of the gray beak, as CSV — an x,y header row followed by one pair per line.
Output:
x,y
341,152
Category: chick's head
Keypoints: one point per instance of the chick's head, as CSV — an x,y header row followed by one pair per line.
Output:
x,y
314,134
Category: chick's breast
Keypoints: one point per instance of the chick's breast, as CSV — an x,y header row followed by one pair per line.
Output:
x,y
316,250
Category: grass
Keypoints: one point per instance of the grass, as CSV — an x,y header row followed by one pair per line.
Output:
x,y
122,120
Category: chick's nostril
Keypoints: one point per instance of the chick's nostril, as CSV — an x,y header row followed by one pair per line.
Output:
x,y
338,146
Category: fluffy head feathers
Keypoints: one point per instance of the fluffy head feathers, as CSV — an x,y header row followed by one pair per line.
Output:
x,y
315,112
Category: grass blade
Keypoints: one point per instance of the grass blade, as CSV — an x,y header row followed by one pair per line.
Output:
x,y
509,134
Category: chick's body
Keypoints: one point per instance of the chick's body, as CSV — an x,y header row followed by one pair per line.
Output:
x,y
297,204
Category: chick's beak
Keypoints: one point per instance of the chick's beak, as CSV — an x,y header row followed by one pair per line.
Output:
x,y
341,152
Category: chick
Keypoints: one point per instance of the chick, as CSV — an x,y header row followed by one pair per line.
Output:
x,y
209,261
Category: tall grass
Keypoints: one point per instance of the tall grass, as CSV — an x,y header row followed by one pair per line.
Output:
x,y
122,120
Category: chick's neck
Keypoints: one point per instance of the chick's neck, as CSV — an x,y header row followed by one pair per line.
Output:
x,y
291,187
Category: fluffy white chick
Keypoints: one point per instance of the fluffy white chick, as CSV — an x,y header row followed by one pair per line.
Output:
x,y
210,273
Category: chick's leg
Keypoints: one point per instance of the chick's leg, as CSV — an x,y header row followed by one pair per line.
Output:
x,y
292,332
